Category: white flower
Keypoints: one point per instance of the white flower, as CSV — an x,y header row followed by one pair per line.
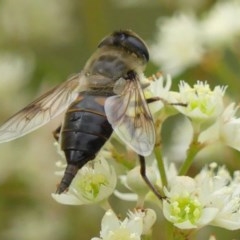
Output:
x,y
135,183
147,215
130,228
220,191
138,185
93,183
220,25
203,104
178,44
211,179
183,207
226,129
228,202
160,88
183,40
211,198
25,19
15,70
61,164
212,237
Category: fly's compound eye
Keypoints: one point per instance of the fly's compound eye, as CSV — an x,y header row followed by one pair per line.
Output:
x,y
136,45
129,41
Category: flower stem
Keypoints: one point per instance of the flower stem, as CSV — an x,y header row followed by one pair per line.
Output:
x,y
161,166
105,204
180,234
192,152
146,237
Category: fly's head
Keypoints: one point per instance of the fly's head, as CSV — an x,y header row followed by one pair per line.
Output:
x,y
129,42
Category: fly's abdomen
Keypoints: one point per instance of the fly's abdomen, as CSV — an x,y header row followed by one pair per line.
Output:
x,y
84,132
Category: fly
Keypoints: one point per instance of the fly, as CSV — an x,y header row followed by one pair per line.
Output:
x,y
105,96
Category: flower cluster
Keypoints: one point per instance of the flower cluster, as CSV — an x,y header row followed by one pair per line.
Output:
x,y
212,197
94,183
132,227
183,40
25,24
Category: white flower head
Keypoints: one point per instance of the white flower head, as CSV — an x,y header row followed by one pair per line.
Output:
x,y
211,198
220,25
212,237
159,86
147,215
93,183
15,70
135,182
183,207
26,23
219,190
211,179
229,209
178,44
203,104
226,129
138,187
130,228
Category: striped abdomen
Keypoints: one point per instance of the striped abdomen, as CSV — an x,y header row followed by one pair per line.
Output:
x,y
84,132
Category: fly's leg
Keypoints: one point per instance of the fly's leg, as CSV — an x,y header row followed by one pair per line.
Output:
x,y
154,99
56,133
145,178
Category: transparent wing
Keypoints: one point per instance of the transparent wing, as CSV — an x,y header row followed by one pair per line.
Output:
x,y
42,110
129,115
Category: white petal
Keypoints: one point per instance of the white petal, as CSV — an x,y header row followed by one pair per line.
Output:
x,y
109,222
67,199
228,224
185,225
135,225
181,185
231,133
126,196
148,220
210,134
166,211
208,214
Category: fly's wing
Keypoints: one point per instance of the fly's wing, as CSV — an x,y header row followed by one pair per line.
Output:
x,y
129,115
42,110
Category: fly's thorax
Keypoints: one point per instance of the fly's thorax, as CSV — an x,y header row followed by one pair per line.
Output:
x,y
99,84
113,63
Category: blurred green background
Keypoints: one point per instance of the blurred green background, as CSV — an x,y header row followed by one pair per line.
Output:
x,y
41,44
